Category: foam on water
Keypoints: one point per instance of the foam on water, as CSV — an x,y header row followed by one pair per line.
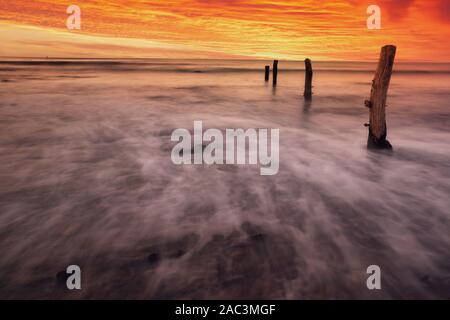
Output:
x,y
87,179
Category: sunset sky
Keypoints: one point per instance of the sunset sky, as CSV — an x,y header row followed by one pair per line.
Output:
x,y
285,29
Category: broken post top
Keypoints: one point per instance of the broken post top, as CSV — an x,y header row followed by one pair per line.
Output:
x,y
308,63
385,65
380,84
308,66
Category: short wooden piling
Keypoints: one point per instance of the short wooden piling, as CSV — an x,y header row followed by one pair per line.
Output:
x,y
308,79
267,72
275,72
377,102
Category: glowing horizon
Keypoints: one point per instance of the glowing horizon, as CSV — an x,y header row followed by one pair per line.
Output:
x,y
231,29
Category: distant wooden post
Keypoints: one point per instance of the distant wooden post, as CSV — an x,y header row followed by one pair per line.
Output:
x,y
308,79
275,72
267,71
377,102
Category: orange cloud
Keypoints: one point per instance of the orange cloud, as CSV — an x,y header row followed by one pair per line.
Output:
x,y
443,9
287,29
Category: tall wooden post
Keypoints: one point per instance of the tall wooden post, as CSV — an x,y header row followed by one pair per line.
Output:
x,y
275,72
377,102
308,79
267,72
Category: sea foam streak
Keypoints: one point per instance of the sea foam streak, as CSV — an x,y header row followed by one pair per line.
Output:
x,y
87,179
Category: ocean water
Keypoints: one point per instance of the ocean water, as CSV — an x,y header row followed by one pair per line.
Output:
x,y
86,178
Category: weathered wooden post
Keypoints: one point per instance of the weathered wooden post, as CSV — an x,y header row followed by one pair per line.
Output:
x,y
267,71
308,79
275,72
377,102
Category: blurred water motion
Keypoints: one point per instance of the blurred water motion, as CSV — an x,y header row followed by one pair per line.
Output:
x,y
86,178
